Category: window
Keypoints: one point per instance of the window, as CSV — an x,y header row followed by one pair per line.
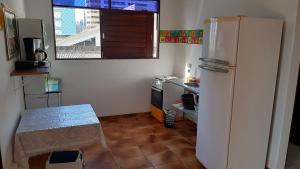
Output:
x,y
96,4
106,29
77,35
127,34
136,5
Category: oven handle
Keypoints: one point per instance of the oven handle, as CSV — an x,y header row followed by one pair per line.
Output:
x,y
156,89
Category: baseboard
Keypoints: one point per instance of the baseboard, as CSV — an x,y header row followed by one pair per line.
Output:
x,y
120,115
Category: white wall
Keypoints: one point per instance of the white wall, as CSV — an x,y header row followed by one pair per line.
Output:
x,y
186,17
114,86
11,102
287,80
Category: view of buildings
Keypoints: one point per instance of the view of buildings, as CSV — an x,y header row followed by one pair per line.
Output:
x,y
145,5
70,21
92,19
65,23
77,32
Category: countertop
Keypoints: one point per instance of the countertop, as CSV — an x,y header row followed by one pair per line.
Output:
x,y
181,82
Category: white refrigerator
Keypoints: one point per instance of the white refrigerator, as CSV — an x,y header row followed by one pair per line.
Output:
x,y
238,80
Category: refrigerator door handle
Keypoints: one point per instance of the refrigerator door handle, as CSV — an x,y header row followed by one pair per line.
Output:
x,y
213,69
216,61
156,89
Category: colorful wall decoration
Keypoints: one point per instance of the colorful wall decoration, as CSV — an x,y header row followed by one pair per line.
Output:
x,y
181,36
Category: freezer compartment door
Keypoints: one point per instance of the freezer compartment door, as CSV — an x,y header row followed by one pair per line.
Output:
x,y
221,39
214,115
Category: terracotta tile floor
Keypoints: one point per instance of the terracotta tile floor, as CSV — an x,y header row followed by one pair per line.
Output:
x,y
138,141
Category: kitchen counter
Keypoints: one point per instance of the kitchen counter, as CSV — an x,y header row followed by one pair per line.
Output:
x,y
181,82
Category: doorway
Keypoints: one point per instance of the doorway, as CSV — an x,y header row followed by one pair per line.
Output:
x,y
1,166
293,155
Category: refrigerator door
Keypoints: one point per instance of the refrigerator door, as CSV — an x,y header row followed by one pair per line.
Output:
x,y
220,40
255,86
214,115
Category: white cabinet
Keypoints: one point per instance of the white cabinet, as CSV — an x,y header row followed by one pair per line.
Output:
x,y
35,93
42,100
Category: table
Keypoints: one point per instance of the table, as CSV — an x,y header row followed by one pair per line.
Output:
x,y
191,114
58,128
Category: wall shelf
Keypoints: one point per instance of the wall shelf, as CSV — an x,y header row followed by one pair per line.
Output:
x,y
30,72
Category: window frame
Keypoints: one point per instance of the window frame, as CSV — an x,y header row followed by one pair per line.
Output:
x,y
99,9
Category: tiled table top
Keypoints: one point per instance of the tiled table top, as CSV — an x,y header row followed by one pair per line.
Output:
x,y
57,117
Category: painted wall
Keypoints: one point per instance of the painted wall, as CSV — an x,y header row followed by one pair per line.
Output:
x,y
186,17
191,12
287,79
116,86
11,102
126,83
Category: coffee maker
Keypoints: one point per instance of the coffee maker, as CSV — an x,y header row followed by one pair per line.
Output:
x,y
35,55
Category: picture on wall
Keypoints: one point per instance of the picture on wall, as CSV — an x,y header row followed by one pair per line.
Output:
x,y
11,33
182,36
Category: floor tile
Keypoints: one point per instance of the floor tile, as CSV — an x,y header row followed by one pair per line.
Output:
x,y
185,153
193,164
120,143
100,165
171,166
134,163
147,139
192,140
178,143
169,135
150,149
187,133
101,157
135,132
162,158
127,152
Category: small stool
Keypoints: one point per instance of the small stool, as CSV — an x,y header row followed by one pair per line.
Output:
x,y
65,160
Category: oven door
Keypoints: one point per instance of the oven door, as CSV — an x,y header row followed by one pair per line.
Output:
x,y
157,97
